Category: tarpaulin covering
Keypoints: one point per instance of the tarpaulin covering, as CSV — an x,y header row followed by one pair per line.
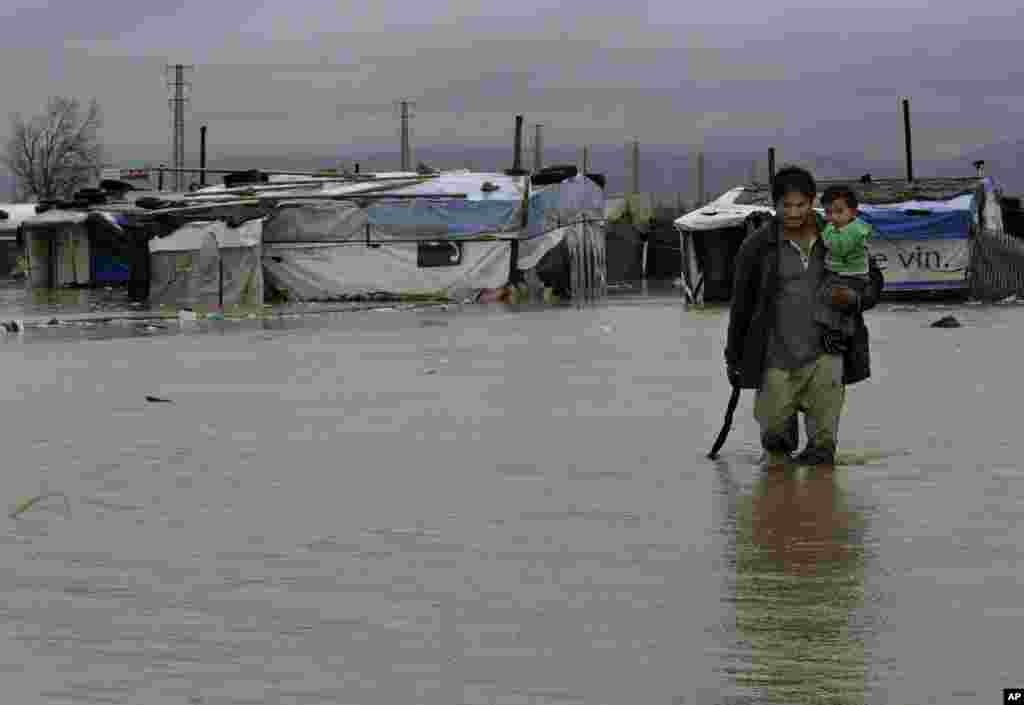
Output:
x,y
559,204
496,213
208,263
906,220
316,222
298,260
326,271
481,212
723,212
920,220
919,243
17,213
415,219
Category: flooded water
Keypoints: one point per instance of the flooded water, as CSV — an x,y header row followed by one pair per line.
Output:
x,y
495,506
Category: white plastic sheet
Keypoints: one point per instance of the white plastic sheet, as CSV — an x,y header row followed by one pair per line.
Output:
x,y
208,263
336,270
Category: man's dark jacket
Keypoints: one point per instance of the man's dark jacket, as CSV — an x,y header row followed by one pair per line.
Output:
x,y
753,310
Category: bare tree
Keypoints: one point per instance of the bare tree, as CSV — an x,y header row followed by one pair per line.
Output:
x,y
53,154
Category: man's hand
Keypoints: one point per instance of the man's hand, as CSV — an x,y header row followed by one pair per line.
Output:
x,y
843,297
833,342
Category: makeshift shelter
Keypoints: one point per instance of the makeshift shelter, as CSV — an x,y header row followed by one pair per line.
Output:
x,y
629,218
12,245
208,263
456,234
65,247
58,244
922,241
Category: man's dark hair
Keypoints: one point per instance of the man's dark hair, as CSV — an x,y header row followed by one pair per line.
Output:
x,y
793,179
839,192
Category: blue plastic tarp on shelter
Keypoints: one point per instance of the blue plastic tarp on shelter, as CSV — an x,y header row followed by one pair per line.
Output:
x,y
457,217
920,220
480,212
110,268
555,205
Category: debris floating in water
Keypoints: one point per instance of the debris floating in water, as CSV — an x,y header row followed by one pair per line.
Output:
x,y
24,505
158,400
946,322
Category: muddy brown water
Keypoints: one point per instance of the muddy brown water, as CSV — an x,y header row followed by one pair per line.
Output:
x,y
503,506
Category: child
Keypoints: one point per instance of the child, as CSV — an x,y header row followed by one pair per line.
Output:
x,y
846,263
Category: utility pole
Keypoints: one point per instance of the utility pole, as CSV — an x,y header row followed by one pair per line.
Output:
x,y
586,160
177,102
404,106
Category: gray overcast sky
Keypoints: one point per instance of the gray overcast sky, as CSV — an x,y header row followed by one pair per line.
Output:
x,y
317,74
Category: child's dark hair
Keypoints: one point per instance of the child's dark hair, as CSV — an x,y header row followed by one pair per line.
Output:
x,y
793,179
840,192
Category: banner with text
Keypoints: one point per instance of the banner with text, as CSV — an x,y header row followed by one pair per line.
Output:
x,y
922,264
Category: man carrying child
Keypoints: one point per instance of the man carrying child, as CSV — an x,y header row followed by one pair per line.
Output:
x,y
779,342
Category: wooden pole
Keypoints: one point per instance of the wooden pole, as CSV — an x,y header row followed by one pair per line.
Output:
x,y
906,133
517,158
700,179
538,147
202,155
636,166
771,167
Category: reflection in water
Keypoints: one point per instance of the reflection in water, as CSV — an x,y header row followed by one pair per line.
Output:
x,y
799,563
17,299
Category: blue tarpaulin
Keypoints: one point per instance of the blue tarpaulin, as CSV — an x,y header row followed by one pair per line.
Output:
x,y
920,220
110,268
481,212
498,212
462,217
